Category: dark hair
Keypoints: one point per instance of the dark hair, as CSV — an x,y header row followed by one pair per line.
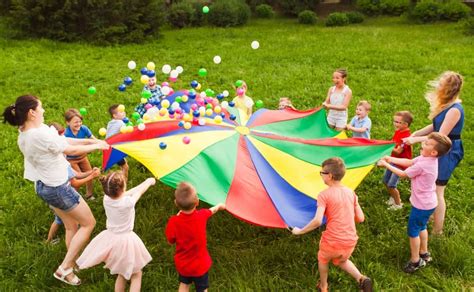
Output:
x,y
113,110
17,113
443,143
341,71
336,167
113,183
407,117
71,113
184,196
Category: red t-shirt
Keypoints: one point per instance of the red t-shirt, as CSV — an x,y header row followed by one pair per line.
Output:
x,y
188,232
397,138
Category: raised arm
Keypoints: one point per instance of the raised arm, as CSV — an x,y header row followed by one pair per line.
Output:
x,y
313,224
139,190
78,149
392,168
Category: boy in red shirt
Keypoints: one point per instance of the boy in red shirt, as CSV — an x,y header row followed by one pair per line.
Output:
x,y
342,210
187,230
402,121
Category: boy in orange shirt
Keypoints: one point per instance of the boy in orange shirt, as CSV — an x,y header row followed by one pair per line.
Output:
x,y
342,210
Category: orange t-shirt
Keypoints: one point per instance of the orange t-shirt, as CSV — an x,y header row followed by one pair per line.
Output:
x,y
340,204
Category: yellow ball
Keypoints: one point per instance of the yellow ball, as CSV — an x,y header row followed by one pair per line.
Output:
x,y
165,103
121,108
143,100
208,112
184,98
144,79
129,129
198,87
146,117
123,129
202,111
150,66
218,119
187,125
187,117
102,131
217,109
163,111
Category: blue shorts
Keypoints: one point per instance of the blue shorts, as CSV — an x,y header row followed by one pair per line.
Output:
x,y
418,220
58,220
201,282
63,197
390,179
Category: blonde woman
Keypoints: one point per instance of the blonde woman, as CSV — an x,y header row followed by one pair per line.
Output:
x,y
447,115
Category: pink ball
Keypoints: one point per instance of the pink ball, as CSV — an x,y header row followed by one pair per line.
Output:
x,y
173,79
171,116
186,140
209,99
215,102
240,91
178,111
148,106
171,91
194,106
165,84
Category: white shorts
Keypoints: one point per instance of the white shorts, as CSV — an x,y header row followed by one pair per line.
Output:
x,y
338,122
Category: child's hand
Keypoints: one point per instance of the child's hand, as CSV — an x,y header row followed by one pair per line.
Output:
x,y
102,145
95,172
325,105
221,206
409,140
381,163
349,127
296,231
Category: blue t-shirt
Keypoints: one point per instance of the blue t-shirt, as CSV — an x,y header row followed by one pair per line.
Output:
x,y
83,132
364,123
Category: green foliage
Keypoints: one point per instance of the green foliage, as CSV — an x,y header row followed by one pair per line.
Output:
x,y
101,22
337,19
264,11
468,26
394,7
426,11
454,10
254,3
181,14
227,13
355,17
369,7
294,7
4,7
307,17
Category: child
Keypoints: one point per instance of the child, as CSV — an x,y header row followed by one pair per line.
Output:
x,y
337,100
285,102
402,121
75,129
187,230
341,207
114,126
122,251
242,101
360,124
422,171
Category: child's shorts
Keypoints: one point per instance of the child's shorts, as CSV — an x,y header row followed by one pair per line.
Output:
x,y
338,122
418,220
58,220
63,197
390,179
327,253
201,282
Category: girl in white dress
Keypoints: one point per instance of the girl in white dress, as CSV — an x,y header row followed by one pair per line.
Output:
x,y
337,100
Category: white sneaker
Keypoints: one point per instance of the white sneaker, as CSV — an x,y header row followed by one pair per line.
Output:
x,y
390,202
395,207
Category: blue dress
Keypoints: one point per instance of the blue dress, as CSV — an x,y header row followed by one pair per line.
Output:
x,y
448,162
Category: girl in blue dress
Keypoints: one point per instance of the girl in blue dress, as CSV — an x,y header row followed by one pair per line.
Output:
x,y
447,115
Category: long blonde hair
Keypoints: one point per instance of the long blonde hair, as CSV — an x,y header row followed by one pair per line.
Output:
x,y
444,92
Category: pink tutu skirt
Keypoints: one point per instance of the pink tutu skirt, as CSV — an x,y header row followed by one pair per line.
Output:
x,y
123,254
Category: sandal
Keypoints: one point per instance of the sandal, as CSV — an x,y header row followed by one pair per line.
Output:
x,y
90,198
61,275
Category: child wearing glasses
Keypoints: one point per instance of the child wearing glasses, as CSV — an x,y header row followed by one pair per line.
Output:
x,y
402,121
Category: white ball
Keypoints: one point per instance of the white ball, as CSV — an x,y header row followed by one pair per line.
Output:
x,y
174,74
175,106
179,69
203,94
166,69
201,122
255,45
132,65
224,104
217,59
165,90
141,126
225,93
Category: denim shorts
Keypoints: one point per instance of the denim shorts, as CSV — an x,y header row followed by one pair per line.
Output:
x,y
418,220
63,197
390,179
57,220
201,282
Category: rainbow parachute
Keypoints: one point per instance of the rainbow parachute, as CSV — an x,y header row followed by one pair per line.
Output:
x,y
265,168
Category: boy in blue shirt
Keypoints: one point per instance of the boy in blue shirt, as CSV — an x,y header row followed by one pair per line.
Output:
x,y
360,124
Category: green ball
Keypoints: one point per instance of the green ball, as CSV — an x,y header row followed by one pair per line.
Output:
x,y
239,83
259,104
136,116
83,111
208,106
139,121
92,90
209,92
146,94
202,72
130,123
178,99
205,9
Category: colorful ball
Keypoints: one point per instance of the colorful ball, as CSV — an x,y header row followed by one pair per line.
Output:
x,y
255,45
202,72
217,109
123,129
166,69
163,145
144,70
239,83
232,117
125,120
205,9
151,73
121,108
210,92
132,65
202,122
83,111
144,79
217,59
127,80
194,84
180,69
92,90
187,125
150,66
122,87
186,140
218,119
225,93
259,104
141,126
136,116
146,93
102,131
163,112
231,103
165,103
208,112
184,98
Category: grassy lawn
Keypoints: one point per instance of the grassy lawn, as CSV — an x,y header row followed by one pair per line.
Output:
x,y
389,64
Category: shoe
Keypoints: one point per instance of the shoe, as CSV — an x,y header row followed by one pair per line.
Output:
x,y
412,267
61,275
365,284
318,288
395,207
390,201
426,257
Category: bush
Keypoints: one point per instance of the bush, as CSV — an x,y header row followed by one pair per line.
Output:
x,y
264,11
227,13
369,7
294,7
254,3
99,22
181,14
426,11
355,17
337,19
4,7
454,10
307,17
468,26
394,7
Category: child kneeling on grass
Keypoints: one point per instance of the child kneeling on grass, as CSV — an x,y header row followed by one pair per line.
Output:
x,y
342,210
423,171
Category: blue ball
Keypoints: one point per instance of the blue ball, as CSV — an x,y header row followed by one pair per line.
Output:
x,y
232,117
231,103
181,123
125,120
192,94
122,87
222,115
196,113
220,96
127,80
163,145
144,70
151,73
194,84
171,112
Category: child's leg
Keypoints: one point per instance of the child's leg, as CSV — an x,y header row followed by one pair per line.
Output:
x,y
52,231
424,241
136,282
351,269
415,249
395,195
184,287
440,211
85,166
120,284
323,275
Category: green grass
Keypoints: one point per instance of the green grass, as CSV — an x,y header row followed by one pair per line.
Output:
x,y
389,64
